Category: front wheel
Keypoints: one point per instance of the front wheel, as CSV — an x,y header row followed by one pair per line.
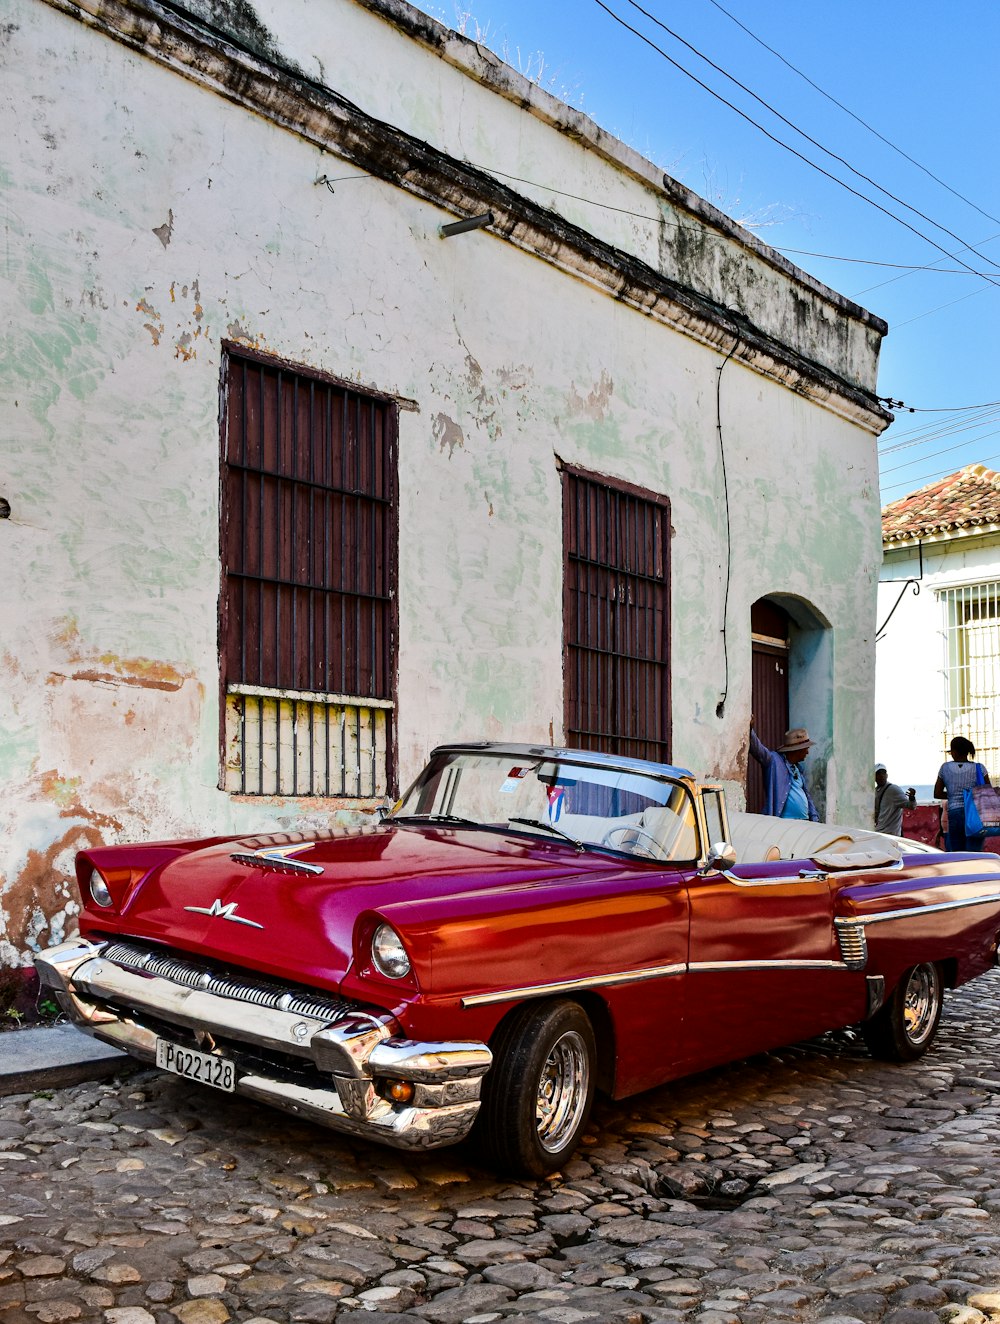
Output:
x,y
538,1093
905,1027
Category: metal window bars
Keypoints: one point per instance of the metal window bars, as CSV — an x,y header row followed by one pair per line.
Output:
x,y
972,668
299,744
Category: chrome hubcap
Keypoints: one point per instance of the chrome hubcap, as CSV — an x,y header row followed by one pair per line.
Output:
x,y
920,1003
562,1091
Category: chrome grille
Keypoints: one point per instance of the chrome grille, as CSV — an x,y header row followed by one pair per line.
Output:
x,y
225,984
853,944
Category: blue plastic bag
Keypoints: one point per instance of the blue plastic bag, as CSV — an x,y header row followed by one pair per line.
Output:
x,y
982,809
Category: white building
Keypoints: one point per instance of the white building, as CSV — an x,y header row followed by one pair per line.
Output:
x,y
938,658
300,484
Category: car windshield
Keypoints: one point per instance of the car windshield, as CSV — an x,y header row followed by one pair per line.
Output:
x,y
588,805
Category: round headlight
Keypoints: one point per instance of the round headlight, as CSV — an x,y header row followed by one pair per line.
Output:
x,y
99,890
389,954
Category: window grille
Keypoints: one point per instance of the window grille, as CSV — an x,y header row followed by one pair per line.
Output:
x,y
308,584
972,668
615,617
305,744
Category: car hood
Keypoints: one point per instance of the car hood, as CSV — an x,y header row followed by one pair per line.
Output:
x,y
300,925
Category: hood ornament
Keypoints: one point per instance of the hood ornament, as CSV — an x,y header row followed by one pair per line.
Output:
x,y
219,911
278,858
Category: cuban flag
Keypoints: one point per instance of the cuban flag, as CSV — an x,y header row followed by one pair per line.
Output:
x,y
557,798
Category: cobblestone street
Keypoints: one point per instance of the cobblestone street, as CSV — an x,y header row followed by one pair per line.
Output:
x,y
813,1183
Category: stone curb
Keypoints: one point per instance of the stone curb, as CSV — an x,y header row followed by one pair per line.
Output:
x,y
52,1057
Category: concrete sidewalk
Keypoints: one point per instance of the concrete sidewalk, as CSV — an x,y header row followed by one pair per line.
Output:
x,y
52,1057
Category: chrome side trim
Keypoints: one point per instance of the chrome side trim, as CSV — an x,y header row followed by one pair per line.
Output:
x,y
908,912
573,985
774,882
701,967
853,943
814,875
636,976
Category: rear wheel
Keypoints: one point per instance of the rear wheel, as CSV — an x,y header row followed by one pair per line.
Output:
x,y
905,1027
538,1093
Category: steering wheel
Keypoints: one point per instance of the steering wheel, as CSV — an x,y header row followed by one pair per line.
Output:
x,y
642,843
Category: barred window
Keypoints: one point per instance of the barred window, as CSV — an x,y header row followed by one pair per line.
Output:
x,y
972,668
307,629
615,617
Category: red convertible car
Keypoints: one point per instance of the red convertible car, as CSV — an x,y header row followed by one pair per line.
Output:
x,y
526,925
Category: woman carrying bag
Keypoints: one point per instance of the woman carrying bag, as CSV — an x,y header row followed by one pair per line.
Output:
x,y
953,780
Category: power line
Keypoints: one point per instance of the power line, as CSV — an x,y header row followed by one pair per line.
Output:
x,y
892,279
857,118
941,306
933,455
794,127
942,428
930,478
951,409
968,419
905,267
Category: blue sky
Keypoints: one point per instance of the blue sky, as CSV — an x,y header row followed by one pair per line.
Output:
x,y
923,76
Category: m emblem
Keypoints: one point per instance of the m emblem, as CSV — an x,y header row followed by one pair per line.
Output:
x,y
218,911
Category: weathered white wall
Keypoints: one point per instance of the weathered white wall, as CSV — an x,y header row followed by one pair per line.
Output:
x,y
910,691
147,219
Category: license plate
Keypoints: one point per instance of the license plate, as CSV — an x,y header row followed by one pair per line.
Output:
x,y
193,1065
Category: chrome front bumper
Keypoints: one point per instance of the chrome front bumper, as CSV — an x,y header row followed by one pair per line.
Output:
x,y
352,1048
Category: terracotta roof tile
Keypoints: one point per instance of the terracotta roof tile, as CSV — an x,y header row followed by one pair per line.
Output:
x,y
963,500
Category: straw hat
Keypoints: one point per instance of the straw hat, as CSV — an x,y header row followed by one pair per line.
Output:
x,y
795,739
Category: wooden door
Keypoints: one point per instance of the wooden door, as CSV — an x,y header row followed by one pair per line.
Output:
x,y
769,678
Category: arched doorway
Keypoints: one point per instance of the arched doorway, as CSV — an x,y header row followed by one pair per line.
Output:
x,y
792,684
769,634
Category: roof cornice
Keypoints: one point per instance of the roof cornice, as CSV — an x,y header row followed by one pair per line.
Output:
x,y
282,94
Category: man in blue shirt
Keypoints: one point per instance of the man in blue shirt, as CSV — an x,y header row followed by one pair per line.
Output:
x,y
785,792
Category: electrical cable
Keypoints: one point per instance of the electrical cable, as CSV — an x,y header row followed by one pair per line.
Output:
x,y
794,127
857,118
941,307
926,436
947,409
903,275
720,707
928,479
922,459
927,433
905,267
788,148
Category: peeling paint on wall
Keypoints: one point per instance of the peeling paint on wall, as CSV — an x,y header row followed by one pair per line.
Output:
x,y
447,434
165,231
106,729
595,403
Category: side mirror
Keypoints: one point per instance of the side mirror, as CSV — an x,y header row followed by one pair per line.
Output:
x,y
721,856
384,809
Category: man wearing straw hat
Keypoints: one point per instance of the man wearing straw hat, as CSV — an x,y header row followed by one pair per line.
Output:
x,y
785,792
